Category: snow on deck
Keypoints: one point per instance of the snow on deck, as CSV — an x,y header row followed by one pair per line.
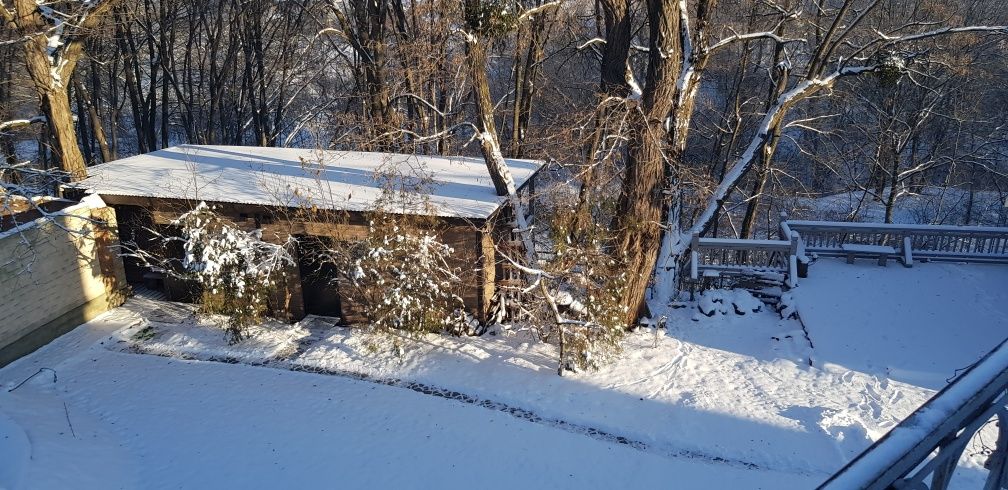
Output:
x,y
916,325
455,186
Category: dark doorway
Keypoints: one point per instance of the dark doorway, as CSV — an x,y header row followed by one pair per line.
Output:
x,y
139,234
318,281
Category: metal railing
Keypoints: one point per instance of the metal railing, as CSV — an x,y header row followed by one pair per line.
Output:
x,y
945,423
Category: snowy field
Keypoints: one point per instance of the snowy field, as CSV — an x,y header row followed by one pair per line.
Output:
x,y
728,401
933,205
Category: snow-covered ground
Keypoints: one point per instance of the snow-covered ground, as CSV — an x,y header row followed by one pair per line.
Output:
x,y
933,205
728,401
142,421
918,325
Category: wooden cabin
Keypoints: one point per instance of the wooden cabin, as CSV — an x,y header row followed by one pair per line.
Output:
x,y
272,188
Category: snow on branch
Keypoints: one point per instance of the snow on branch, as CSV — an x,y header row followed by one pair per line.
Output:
x,y
20,123
940,32
236,270
591,42
528,14
773,116
407,280
750,36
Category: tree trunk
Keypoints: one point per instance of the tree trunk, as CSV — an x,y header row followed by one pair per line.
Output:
x,y
766,155
613,83
96,124
500,174
642,202
55,104
62,137
485,124
526,73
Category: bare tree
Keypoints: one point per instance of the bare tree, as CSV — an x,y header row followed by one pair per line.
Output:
x,y
53,44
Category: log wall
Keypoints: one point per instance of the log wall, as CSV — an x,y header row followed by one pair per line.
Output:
x,y
473,249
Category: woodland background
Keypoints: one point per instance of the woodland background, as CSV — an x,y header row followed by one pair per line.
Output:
x,y
658,118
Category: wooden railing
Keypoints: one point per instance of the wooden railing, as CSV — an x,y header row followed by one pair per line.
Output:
x,y
722,257
945,423
710,260
926,242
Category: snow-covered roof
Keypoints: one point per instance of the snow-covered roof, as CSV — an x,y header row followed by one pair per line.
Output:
x,y
346,180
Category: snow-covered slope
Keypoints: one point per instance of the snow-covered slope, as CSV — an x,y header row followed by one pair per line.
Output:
x,y
933,205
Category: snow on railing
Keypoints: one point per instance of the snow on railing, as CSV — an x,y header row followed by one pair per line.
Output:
x,y
722,257
785,260
945,423
928,242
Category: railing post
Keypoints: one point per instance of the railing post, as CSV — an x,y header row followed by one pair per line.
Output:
x,y
996,461
802,260
793,260
782,228
695,257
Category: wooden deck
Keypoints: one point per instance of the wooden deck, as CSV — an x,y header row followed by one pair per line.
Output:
x,y
712,261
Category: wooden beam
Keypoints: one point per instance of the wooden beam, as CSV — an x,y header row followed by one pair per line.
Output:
x,y
287,301
488,266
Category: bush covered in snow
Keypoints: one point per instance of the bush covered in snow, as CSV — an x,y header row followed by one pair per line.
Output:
x,y
403,278
597,339
597,328
235,269
575,300
400,276
727,301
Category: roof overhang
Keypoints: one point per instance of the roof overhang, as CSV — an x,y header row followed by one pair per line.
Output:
x,y
457,187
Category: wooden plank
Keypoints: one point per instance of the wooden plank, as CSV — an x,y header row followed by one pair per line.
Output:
x,y
743,244
340,231
488,269
907,252
868,249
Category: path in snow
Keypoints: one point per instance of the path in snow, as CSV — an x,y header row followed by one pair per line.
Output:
x,y
719,388
426,389
732,387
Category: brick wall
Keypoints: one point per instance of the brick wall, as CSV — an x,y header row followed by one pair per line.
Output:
x,y
55,274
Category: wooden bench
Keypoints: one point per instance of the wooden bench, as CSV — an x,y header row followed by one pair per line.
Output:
x,y
853,250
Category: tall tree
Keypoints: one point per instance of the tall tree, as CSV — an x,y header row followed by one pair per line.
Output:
x,y
53,44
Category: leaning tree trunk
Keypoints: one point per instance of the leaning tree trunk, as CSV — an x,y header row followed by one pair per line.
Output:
x,y
96,123
485,124
766,155
500,174
695,53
